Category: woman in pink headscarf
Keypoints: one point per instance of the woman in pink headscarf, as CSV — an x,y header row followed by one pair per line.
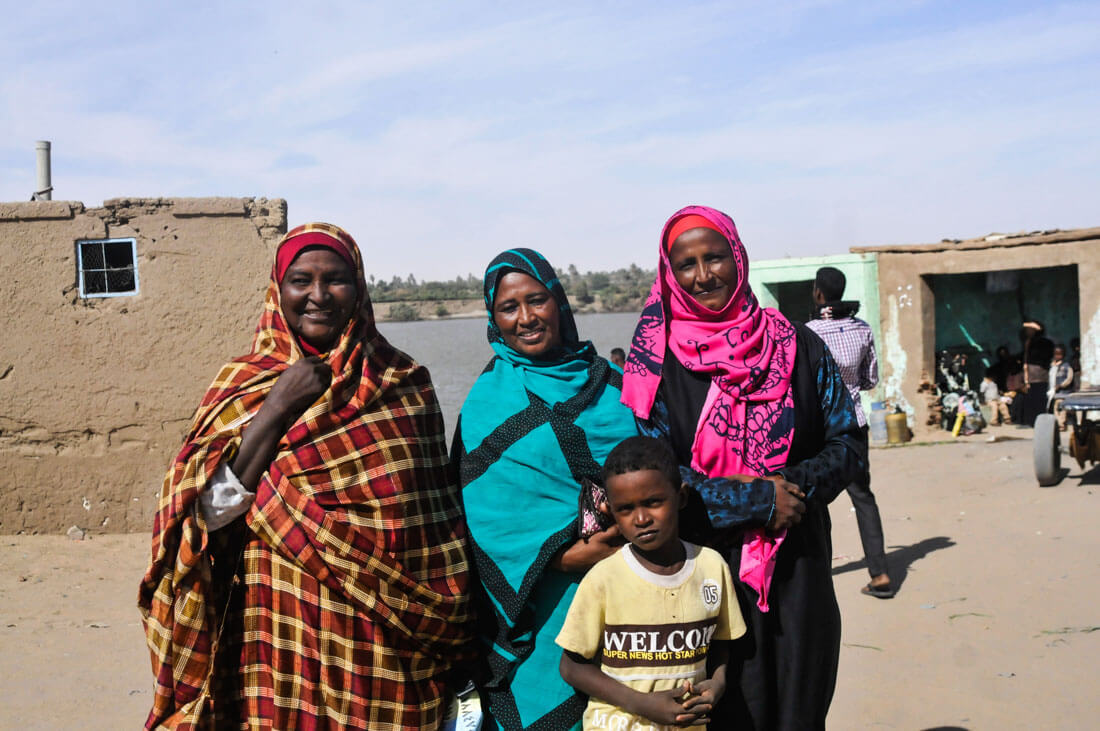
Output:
x,y
759,418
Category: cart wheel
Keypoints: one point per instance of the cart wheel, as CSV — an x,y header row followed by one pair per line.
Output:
x,y
1046,450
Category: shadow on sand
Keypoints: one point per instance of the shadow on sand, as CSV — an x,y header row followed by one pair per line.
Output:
x,y
1062,475
900,558
1087,476
1090,476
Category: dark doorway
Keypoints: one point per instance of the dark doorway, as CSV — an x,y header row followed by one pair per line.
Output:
x,y
794,299
977,312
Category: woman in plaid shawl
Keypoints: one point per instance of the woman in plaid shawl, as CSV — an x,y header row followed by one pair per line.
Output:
x,y
339,600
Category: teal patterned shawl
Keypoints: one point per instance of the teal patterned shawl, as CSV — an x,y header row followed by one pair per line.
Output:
x,y
528,432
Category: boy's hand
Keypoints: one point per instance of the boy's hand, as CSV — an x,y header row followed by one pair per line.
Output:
x,y
667,707
703,697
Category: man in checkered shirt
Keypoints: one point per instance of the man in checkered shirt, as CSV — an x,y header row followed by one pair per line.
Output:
x,y
853,348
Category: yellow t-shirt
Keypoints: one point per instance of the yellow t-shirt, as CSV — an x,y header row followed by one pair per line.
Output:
x,y
650,632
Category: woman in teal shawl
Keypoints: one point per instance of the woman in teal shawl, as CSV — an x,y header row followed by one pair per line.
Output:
x,y
543,415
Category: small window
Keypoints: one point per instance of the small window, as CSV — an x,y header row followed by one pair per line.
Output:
x,y
107,268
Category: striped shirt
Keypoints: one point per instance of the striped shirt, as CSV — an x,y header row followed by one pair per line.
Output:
x,y
852,345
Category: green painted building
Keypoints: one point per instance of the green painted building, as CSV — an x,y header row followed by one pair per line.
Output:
x,y
787,285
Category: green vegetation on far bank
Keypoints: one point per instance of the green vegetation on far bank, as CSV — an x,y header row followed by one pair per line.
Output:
x,y
622,290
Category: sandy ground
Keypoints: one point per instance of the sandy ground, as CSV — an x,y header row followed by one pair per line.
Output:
x,y
996,625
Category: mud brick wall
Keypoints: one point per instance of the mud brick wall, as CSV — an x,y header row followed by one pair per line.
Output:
x,y
96,393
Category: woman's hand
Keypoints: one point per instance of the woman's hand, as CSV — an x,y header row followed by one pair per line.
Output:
x,y
789,505
297,388
583,555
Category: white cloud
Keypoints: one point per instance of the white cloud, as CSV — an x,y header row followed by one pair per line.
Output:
x,y
439,135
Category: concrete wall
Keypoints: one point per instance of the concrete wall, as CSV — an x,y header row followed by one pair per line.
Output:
x,y
95,394
907,277
777,281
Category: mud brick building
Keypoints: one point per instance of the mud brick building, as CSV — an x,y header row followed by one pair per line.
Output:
x,y
119,317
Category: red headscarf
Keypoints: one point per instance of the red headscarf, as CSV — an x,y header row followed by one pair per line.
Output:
x,y
324,235
303,237
686,223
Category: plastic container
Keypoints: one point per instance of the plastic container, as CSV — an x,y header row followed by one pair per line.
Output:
x,y
897,428
876,423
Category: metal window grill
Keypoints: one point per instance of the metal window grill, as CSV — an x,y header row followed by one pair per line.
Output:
x,y
107,267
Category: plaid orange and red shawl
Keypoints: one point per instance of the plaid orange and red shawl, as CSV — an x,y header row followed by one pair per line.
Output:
x,y
350,605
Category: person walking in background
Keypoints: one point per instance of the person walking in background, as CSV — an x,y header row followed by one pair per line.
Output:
x,y
852,345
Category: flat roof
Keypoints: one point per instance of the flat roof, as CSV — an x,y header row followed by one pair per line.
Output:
x,y
992,241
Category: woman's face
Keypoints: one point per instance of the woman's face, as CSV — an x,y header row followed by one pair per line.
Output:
x,y
527,315
702,262
318,295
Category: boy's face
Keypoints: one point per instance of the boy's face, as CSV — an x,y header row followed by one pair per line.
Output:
x,y
646,508
1059,354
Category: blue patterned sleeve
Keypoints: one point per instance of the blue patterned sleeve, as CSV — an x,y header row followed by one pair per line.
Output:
x,y
843,456
729,503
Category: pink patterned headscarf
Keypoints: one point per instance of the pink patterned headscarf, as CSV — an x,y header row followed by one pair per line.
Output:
x,y
747,422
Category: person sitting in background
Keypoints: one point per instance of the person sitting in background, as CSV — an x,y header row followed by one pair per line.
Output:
x,y
1005,368
618,357
998,404
1061,384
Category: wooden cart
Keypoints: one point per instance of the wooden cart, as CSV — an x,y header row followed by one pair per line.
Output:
x,y
1082,408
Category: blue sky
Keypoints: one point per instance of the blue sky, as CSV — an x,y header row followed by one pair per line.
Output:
x,y
440,133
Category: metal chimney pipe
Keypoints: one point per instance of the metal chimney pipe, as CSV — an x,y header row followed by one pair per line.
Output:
x,y
44,189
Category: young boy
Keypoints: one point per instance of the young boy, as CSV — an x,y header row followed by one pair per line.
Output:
x,y
648,623
998,404
1061,384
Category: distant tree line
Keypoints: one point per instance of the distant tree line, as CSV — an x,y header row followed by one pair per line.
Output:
x,y
622,290
410,290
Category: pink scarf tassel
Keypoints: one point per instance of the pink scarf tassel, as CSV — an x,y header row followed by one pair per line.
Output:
x,y
759,552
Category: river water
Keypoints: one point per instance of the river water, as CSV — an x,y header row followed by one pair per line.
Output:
x,y
456,351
